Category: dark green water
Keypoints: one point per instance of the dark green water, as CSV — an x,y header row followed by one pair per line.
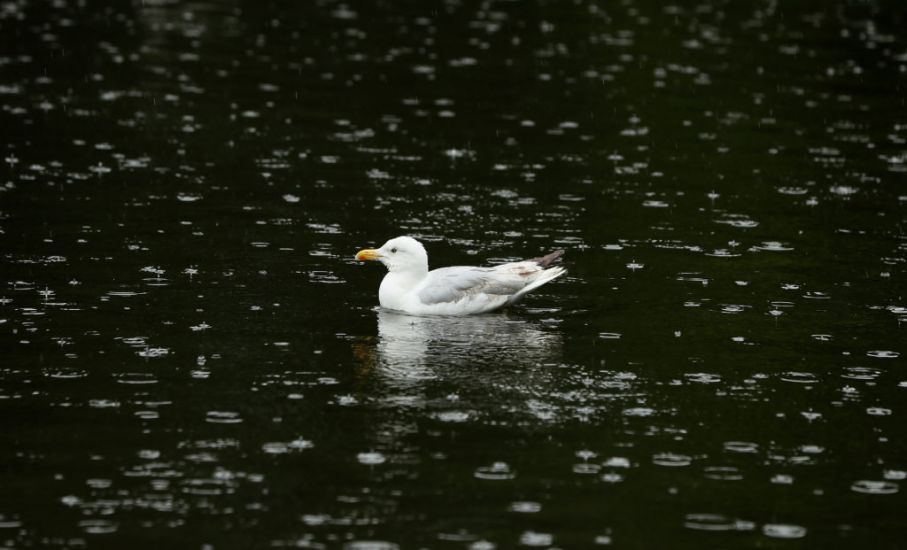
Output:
x,y
192,359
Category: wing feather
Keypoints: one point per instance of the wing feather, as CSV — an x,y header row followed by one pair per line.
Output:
x,y
452,284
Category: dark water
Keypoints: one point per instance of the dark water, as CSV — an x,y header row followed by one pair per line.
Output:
x,y
191,358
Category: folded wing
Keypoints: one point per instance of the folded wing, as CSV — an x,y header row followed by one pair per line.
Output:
x,y
502,284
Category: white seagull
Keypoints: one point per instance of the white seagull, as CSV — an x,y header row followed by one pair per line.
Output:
x,y
460,290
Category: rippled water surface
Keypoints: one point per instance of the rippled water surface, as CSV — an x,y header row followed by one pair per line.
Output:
x,y
192,358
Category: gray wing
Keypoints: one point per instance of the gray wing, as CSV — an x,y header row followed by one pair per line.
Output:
x,y
452,284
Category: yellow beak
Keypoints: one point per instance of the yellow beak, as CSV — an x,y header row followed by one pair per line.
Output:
x,y
368,254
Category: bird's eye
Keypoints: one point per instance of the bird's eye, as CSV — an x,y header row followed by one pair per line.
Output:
x,y
393,250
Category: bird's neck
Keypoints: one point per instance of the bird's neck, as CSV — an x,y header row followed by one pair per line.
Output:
x,y
407,277
409,270
396,284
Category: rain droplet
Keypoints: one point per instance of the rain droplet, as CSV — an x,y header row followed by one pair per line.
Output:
x,y
875,487
716,522
499,471
671,460
783,531
371,458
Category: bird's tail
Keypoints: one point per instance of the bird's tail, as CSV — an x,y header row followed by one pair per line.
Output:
x,y
548,259
543,277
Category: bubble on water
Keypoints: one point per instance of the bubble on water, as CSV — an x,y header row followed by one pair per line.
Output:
x,y
370,545
371,458
612,477
324,277
783,531
739,221
9,523
722,473
292,199
655,204
531,538
65,373
452,416
741,447
99,169
860,373
772,246
782,479
843,190
123,293
586,468
347,400
883,354
464,62
672,460
586,454
799,377
895,475
280,447
499,471
98,526
878,411
870,487
98,483
149,454
458,153
223,417
639,411
792,190
103,403
525,507
617,462
376,174
153,352
137,378
716,522
702,377
609,335
723,253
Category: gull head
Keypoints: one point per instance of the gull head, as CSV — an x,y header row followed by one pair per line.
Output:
x,y
402,254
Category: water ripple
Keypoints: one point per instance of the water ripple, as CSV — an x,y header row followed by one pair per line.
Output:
x,y
672,460
499,471
716,522
875,487
783,531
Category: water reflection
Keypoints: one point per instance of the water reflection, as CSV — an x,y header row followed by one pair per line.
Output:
x,y
410,346
173,317
412,353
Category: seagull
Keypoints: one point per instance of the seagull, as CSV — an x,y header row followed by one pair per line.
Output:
x,y
459,290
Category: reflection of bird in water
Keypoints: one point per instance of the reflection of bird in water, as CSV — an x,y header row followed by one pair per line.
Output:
x,y
469,350
423,370
461,290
